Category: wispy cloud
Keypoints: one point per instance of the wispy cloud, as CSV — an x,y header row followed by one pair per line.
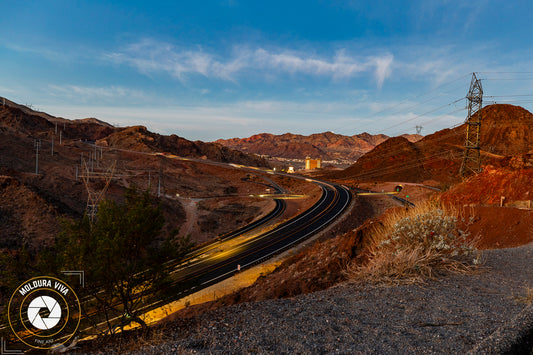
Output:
x,y
86,93
47,53
383,68
150,56
6,90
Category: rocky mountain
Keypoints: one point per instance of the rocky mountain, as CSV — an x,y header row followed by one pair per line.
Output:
x,y
41,125
328,145
138,138
37,190
506,130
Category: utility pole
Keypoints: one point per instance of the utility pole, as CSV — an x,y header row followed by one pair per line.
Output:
x,y
160,176
159,186
96,155
52,145
472,156
37,145
418,129
60,137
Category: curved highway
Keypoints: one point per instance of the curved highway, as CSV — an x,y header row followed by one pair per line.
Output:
x,y
203,272
276,212
207,266
213,266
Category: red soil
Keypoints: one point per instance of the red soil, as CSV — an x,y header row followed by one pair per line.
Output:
x,y
497,227
489,186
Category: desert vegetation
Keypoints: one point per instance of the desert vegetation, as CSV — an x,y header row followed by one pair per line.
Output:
x,y
414,245
122,253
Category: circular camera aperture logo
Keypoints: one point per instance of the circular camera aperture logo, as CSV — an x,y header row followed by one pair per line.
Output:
x,y
44,312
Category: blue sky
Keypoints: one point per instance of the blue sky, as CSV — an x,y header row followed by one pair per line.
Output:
x,y
232,68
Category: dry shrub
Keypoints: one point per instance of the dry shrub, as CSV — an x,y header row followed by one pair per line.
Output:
x,y
414,245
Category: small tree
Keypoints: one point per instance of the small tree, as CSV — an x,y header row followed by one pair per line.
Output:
x,y
122,256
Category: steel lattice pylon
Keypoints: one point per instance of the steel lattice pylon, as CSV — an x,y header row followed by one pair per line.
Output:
x,y
472,157
94,195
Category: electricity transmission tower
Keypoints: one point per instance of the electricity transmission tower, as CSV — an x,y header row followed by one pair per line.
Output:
x,y
472,156
95,193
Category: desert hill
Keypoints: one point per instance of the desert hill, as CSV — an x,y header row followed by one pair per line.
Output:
x,y
32,204
29,111
506,130
138,138
328,146
41,125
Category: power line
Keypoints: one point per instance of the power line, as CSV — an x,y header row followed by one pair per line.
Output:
x,y
493,96
435,119
505,72
422,114
412,162
418,161
505,79
388,109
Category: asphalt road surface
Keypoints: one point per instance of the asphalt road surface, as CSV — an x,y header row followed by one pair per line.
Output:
x,y
205,271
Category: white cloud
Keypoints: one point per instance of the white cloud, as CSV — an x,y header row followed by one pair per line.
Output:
x,y
340,66
149,56
383,68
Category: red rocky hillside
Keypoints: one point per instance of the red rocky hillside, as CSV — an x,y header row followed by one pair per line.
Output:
x,y
506,131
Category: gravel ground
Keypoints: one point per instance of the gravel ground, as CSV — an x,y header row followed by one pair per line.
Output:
x,y
452,315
